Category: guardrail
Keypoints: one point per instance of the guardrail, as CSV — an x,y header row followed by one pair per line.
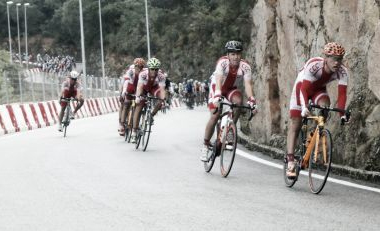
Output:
x,y
27,116
35,85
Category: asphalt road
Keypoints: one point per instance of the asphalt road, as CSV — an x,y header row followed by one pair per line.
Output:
x,y
93,180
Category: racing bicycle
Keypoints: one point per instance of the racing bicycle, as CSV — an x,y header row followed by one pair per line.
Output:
x,y
315,149
67,114
145,125
225,141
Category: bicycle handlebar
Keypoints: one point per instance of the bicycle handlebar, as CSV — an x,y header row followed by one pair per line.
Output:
x,y
67,100
234,105
148,97
347,113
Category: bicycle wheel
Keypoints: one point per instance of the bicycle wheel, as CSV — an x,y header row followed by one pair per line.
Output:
x,y
298,153
146,132
320,162
228,149
66,120
140,130
211,155
129,124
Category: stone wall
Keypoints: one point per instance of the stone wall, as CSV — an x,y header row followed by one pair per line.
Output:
x,y
286,34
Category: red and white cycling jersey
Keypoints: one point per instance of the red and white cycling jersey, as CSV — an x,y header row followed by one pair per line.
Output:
x,y
130,80
151,82
70,91
231,77
311,84
67,88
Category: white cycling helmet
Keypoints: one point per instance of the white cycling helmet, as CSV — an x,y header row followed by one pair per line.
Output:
x,y
74,75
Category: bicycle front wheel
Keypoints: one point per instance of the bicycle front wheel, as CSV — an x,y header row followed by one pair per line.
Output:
x,y
320,162
66,120
129,125
147,130
228,149
140,130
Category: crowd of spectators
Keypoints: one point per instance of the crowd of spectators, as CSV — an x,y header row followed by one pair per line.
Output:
x,y
53,64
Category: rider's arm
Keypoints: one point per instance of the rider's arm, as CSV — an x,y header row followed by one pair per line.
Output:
x,y
248,87
342,89
304,93
218,85
139,89
162,93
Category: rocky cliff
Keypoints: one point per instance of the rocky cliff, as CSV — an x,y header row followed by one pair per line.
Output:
x,y
286,34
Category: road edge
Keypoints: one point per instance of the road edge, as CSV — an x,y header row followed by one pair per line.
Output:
x,y
276,153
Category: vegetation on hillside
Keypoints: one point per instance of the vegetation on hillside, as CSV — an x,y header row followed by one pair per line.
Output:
x,y
186,35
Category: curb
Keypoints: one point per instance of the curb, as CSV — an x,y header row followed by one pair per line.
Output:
x,y
275,153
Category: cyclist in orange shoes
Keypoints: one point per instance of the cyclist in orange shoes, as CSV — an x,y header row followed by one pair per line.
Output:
x,y
311,85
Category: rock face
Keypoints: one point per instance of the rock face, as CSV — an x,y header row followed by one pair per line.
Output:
x,y
285,35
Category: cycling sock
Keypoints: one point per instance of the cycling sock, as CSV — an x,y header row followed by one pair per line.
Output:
x,y
290,156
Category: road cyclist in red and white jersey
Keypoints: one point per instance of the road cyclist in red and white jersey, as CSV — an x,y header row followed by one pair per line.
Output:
x,y
231,72
71,88
311,85
152,81
131,78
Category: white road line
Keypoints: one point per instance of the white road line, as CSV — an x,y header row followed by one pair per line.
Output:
x,y
280,166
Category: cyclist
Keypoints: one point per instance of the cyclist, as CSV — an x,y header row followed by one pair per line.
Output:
x,y
231,71
311,84
131,78
151,80
70,88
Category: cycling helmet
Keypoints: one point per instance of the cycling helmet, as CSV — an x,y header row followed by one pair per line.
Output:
x,y
233,46
74,75
139,62
334,49
154,63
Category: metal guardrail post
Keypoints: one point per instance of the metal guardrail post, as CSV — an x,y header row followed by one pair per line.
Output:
x,y
20,86
32,86
52,87
43,86
5,76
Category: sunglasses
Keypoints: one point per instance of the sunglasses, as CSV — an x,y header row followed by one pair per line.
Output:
x,y
153,69
336,58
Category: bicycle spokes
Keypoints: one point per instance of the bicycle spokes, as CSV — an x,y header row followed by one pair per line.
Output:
x,y
228,148
320,162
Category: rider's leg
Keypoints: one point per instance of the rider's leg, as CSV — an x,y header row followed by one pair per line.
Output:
x,y
137,115
236,97
157,107
61,113
80,103
210,127
127,106
120,114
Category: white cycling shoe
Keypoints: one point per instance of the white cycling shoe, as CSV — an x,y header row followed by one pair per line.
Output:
x,y
204,157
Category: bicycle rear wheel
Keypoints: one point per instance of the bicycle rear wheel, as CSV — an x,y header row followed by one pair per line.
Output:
x,y
298,153
228,149
320,162
146,132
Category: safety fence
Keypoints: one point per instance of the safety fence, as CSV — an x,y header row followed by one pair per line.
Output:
x,y
34,85
27,116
